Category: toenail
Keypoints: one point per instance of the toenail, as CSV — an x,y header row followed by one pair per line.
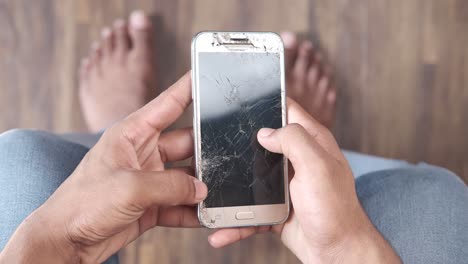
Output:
x,y
138,19
119,23
105,33
289,39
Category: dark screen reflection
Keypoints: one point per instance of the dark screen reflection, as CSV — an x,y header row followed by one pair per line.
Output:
x,y
239,93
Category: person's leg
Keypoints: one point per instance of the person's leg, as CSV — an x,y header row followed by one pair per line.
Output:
x,y
362,164
33,165
421,210
85,139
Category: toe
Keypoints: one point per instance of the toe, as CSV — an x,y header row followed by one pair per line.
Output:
x,y
94,62
141,33
96,51
122,40
96,54
312,77
107,41
331,96
301,64
84,76
321,93
329,109
84,70
290,46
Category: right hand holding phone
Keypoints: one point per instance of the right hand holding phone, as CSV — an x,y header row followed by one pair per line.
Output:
x,y
327,224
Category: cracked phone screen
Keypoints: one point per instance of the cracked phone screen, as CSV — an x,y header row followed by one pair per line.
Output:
x,y
239,93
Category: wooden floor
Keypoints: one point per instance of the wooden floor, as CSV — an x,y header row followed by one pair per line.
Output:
x,y
401,69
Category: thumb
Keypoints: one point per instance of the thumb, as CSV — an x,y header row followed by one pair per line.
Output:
x,y
295,143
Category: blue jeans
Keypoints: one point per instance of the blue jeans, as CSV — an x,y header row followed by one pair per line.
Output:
x,y
421,210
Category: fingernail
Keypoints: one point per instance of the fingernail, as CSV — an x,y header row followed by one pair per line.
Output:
x,y
200,190
213,241
265,132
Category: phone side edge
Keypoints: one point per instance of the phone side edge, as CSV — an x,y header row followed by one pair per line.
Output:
x,y
284,123
196,122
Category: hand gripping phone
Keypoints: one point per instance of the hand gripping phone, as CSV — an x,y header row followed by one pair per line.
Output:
x,y
238,87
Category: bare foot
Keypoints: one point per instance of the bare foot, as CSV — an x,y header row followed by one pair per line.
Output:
x,y
115,78
308,82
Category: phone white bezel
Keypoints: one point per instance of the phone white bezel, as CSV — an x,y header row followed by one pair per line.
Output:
x,y
221,217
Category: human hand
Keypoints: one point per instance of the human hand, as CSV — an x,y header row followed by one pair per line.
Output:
x,y
120,189
327,224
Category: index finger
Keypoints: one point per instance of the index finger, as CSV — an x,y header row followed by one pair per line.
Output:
x,y
156,188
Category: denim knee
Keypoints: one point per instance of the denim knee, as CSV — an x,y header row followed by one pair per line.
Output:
x,y
422,211
33,164
29,153
425,180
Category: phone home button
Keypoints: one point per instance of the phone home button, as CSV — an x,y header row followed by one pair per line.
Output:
x,y
245,215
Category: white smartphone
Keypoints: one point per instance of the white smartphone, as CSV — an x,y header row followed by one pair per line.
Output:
x,y
238,88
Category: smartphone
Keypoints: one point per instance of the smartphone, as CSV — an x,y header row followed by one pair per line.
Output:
x,y
238,87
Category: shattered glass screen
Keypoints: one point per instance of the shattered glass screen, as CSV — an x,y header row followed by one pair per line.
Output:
x,y
239,93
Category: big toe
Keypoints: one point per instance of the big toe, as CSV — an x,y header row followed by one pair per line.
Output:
x,y
141,33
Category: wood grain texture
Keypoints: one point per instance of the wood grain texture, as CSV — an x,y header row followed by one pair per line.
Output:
x,y
401,72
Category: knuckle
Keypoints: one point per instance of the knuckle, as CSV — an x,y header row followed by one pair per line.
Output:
x,y
172,181
292,139
296,133
128,132
189,188
180,185
295,127
176,101
130,190
162,152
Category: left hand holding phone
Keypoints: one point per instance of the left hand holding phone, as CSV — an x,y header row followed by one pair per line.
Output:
x,y
118,191
328,224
